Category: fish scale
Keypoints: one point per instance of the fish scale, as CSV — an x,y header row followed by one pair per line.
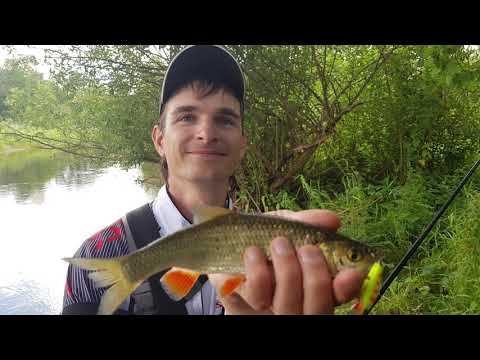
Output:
x,y
218,245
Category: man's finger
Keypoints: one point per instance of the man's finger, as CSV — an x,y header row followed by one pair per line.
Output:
x,y
259,287
317,281
235,305
347,285
317,217
288,297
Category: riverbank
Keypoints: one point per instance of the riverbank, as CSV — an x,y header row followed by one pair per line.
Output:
x,y
8,147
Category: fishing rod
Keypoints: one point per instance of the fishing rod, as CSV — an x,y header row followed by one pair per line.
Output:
x,y
422,237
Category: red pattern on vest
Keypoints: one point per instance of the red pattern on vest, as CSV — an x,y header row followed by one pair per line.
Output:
x,y
68,289
115,228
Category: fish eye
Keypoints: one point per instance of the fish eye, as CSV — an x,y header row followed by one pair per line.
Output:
x,y
354,255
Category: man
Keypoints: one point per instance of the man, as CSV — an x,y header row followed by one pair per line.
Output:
x,y
201,142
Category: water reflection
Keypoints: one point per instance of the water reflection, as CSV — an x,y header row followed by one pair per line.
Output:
x,y
27,297
48,206
24,174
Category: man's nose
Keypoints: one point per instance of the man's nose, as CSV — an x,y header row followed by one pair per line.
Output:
x,y
206,131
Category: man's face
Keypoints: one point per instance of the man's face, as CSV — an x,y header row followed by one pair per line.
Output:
x,y
202,139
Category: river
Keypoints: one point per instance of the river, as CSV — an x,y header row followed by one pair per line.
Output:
x,y
49,204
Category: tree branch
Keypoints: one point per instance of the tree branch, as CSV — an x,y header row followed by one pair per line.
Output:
x,y
299,164
50,146
136,66
301,81
80,142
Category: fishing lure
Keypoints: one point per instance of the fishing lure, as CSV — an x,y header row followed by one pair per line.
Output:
x,y
370,290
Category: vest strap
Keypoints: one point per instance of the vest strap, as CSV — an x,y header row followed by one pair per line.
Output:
x,y
141,229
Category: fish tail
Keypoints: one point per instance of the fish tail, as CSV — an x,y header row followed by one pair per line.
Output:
x,y
107,273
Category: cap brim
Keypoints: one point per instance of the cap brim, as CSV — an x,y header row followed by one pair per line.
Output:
x,y
203,62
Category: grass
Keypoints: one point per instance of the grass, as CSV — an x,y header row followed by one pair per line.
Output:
x,y
443,276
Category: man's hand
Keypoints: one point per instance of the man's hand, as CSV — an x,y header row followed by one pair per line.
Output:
x,y
299,282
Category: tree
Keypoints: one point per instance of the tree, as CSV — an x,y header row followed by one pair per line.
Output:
x,y
378,109
297,97
17,73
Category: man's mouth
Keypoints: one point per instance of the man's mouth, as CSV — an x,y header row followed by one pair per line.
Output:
x,y
206,153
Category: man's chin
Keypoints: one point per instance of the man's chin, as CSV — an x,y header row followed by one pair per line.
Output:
x,y
213,179
210,178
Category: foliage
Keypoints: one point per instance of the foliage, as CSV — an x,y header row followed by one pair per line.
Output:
x,y
16,73
378,134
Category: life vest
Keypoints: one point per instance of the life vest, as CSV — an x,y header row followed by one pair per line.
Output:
x,y
149,298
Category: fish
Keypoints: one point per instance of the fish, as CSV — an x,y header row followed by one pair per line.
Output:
x,y
215,243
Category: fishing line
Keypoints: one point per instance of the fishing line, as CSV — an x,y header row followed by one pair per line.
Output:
x,y
419,240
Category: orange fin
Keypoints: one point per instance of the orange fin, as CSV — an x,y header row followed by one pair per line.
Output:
x,y
178,282
231,284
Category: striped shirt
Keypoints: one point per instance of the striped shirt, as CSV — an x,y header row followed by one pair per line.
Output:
x,y
83,297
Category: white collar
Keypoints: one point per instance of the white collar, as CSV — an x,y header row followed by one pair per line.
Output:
x,y
170,220
168,217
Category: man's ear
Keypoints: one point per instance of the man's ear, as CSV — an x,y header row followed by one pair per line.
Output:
x,y
157,138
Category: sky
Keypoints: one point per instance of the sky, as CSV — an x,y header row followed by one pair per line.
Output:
x,y
36,50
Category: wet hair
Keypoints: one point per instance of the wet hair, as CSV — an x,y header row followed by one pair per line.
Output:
x,y
202,88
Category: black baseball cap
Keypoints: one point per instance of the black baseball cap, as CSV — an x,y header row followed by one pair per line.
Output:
x,y
203,62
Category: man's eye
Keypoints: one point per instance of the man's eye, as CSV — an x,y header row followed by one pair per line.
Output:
x,y
226,121
186,118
